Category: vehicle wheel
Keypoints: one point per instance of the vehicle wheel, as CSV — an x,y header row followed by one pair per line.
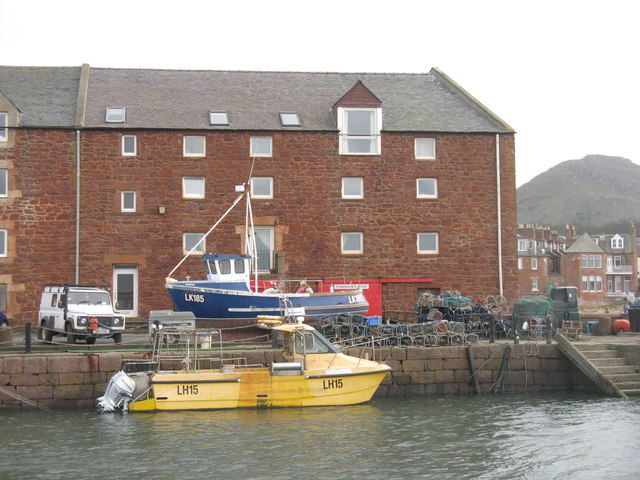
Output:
x,y
44,333
71,338
117,337
90,340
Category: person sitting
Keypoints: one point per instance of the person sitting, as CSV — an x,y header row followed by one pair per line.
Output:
x,y
304,288
273,288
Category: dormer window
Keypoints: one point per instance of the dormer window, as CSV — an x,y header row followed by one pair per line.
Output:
x,y
115,115
617,241
290,119
218,118
359,130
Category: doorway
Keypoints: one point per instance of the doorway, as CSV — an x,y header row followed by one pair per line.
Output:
x,y
125,289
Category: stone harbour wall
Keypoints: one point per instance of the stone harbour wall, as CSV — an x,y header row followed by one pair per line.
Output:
x,y
76,380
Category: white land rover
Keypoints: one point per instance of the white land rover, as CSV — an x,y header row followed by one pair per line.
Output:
x,y
80,312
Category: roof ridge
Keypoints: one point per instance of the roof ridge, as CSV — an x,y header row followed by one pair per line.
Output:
x,y
259,71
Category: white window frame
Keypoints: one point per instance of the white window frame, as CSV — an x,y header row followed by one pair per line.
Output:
x,y
598,261
534,285
253,144
4,235
268,181
201,248
135,146
432,251
289,119
617,262
123,194
4,127
519,263
345,136
4,182
344,236
584,261
425,195
534,263
592,261
585,283
598,283
522,245
432,141
348,196
115,115
219,118
192,181
191,138
617,241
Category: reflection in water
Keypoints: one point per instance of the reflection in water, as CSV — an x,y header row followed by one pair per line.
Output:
x,y
489,437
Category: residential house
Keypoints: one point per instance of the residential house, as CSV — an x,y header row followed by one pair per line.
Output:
x,y
400,182
540,259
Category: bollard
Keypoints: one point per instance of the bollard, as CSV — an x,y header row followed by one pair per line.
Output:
x,y
27,337
549,330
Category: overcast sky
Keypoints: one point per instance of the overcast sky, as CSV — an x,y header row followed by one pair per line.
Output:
x,y
563,73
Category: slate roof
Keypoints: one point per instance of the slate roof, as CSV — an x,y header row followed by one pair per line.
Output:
x,y
604,241
584,244
45,96
182,99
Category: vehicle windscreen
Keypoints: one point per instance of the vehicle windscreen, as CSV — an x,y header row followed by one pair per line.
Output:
x,y
88,298
312,342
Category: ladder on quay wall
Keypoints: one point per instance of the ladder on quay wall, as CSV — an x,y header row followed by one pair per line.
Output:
x,y
604,365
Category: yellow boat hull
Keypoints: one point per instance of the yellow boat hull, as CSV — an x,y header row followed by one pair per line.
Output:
x,y
258,387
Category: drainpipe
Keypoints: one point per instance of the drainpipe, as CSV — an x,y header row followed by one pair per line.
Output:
x,y
77,277
498,199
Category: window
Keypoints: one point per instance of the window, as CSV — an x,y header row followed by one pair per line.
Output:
x,y
115,115
218,118
427,188
4,123
128,201
592,261
520,263
129,146
592,283
194,146
598,261
522,245
359,131
261,187
427,243
425,148
534,264
3,243
598,283
190,240
585,283
617,241
3,297
352,187
534,284
585,261
617,260
193,187
261,146
4,182
352,242
290,119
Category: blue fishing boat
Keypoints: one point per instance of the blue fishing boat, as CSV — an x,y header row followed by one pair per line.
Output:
x,y
226,298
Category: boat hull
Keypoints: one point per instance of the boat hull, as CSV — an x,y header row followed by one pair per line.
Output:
x,y
237,307
258,387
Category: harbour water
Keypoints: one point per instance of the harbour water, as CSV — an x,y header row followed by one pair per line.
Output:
x,y
545,436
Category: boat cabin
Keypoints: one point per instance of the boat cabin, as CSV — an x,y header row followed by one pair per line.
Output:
x,y
227,268
300,340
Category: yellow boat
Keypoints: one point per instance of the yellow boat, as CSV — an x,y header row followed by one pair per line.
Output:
x,y
313,373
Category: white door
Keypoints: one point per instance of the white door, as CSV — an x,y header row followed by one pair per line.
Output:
x,y
125,289
264,247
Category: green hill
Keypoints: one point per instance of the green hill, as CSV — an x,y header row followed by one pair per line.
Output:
x,y
597,192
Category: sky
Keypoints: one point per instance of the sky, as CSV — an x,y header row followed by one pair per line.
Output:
x,y
563,73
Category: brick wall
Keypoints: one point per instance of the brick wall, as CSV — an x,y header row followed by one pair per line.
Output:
x,y
307,173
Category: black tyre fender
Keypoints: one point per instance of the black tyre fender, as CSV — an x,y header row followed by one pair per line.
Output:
x,y
90,339
117,337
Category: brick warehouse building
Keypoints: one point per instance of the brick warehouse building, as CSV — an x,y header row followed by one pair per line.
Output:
x,y
386,177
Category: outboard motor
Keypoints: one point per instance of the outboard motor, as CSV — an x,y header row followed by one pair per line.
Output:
x,y
118,393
